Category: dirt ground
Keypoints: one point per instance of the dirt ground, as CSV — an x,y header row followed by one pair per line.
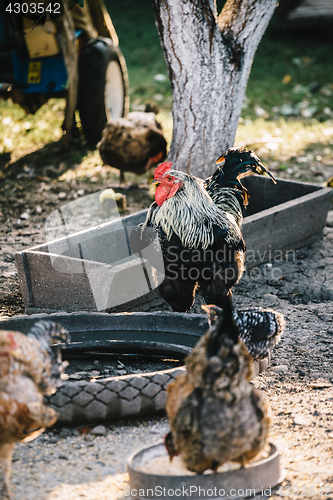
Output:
x,y
74,464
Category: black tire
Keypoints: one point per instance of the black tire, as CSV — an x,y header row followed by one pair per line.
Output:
x,y
99,64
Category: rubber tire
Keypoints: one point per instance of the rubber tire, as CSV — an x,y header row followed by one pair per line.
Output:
x,y
94,59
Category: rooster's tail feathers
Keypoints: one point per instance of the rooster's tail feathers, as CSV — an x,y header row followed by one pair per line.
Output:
x,y
236,163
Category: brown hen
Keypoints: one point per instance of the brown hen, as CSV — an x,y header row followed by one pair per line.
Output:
x,y
215,414
133,144
30,368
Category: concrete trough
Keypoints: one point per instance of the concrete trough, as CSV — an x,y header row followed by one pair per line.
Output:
x,y
94,270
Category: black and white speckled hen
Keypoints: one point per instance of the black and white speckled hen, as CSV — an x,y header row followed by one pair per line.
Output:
x,y
260,329
215,414
30,368
198,226
133,144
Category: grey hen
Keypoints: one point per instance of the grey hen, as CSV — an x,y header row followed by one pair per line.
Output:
x,y
259,329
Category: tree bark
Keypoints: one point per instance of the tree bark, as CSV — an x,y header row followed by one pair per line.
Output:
x,y
209,58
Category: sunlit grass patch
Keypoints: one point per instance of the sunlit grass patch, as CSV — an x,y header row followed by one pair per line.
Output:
x,y
293,148
20,132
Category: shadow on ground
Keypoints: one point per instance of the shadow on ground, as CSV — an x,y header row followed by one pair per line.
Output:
x,y
51,160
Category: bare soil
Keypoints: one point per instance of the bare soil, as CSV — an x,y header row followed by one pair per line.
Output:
x,y
74,464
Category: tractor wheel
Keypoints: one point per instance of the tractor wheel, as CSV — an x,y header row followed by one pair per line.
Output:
x,y
103,86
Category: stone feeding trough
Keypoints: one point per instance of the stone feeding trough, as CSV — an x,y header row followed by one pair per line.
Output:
x,y
149,477
94,269
163,336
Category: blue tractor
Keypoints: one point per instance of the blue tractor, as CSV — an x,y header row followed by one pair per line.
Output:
x,y
50,49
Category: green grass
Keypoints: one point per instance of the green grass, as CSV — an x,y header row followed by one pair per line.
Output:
x,y
302,65
287,116
19,131
303,59
301,150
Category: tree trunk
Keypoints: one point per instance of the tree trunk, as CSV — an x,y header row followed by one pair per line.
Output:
x,y
209,57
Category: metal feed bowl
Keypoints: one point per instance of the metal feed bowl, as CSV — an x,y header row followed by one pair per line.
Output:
x,y
109,398
256,476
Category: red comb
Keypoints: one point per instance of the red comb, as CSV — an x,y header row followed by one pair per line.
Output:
x,y
12,339
161,169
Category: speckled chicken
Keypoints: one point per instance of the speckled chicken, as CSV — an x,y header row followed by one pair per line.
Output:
x,y
30,368
133,144
198,227
260,329
215,414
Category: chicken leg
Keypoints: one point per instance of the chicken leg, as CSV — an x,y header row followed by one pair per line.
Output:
x,y
6,454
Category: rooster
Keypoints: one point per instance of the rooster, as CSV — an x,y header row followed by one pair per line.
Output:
x,y
133,144
215,414
259,329
197,224
30,368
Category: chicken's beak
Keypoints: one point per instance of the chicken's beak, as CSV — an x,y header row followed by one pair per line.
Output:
x,y
16,354
155,182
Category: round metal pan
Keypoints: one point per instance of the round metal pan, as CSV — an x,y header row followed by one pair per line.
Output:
x,y
257,477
